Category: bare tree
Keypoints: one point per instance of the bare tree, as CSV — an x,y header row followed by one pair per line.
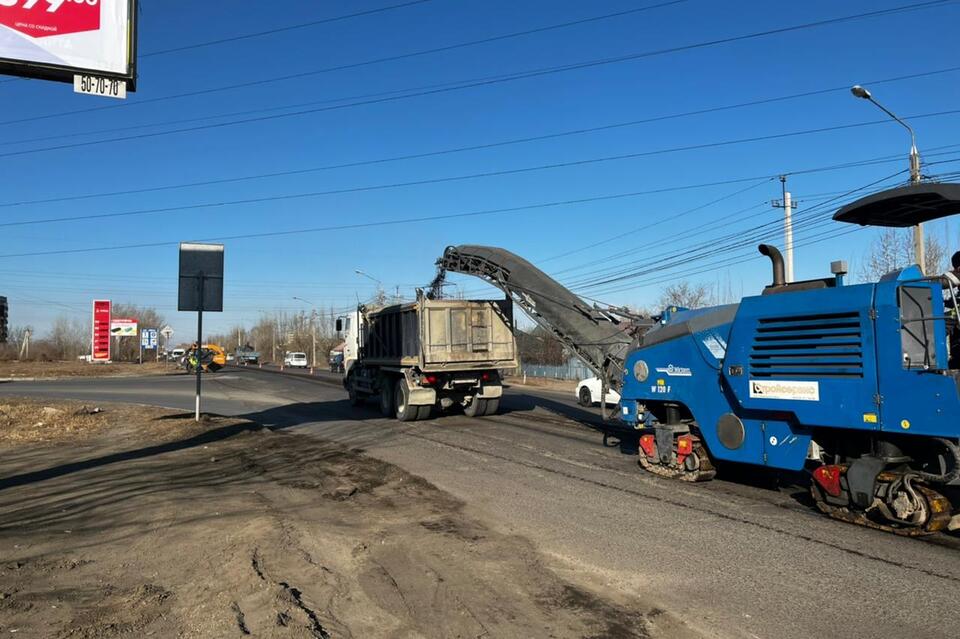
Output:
x,y
892,250
68,338
539,346
686,295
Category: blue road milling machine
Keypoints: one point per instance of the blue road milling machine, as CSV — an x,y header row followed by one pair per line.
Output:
x,y
855,383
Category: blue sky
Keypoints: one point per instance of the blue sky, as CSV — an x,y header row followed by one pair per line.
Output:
x,y
265,274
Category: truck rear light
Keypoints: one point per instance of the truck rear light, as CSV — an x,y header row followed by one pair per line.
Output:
x,y
485,377
430,380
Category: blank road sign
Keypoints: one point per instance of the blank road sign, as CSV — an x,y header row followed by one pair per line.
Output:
x,y
201,265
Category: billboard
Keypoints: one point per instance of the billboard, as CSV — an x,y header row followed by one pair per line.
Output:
x,y
60,39
101,331
201,277
123,327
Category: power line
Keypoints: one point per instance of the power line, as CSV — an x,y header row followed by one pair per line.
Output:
x,y
706,249
292,27
700,207
440,152
457,178
539,72
581,131
403,56
685,257
363,63
887,159
257,34
412,220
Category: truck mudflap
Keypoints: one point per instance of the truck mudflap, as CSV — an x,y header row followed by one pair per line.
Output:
x,y
491,391
420,396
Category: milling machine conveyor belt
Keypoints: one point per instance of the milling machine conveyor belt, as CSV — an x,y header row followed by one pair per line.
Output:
x,y
601,337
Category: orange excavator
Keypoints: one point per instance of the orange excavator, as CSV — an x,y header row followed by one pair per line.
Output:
x,y
209,358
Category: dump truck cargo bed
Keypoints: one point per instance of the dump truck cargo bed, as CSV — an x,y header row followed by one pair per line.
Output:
x,y
441,335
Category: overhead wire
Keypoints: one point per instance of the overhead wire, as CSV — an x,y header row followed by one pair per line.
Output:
x,y
441,152
284,29
392,222
933,152
539,72
682,258
448,179
643,267
612,126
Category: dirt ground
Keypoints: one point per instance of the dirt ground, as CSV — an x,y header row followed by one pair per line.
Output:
x,y
142,524
13,369
34,420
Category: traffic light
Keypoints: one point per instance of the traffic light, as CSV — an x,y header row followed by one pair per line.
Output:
x,y
3,320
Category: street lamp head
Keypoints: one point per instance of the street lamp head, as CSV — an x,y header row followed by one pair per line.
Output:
x,y
860,92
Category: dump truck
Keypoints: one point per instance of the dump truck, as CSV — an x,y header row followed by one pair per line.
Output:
x,y
246,354
430,355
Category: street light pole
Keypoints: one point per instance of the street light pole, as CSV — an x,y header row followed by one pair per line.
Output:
x,y
915,177
381,295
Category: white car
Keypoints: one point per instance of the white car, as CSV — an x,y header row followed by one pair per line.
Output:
x,y
588,393
295,360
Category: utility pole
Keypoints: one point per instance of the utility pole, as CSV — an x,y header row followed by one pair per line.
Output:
x,y
25,346
919,250
313,337
787,204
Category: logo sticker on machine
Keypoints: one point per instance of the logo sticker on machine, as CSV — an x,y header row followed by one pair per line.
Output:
x,y
774,389
675,371
716,346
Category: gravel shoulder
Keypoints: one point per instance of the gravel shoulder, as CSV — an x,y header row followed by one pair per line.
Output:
x,y
139,522
11,370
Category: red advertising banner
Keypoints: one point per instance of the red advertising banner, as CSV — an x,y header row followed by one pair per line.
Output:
x,y
50,17
101,331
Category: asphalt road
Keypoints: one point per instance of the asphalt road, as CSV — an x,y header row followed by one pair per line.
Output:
x,y
742,556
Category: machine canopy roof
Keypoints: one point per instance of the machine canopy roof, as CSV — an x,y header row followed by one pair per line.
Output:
x,y
903,206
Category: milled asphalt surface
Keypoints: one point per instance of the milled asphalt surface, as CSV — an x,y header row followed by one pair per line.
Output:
x,y
736,557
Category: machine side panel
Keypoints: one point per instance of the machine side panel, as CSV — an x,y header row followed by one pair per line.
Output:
x,y
680,370
808,355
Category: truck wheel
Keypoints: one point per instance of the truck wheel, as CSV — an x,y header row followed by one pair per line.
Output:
x,y
405,412
585,399
355,398
386,398
423,412
493,405
476,408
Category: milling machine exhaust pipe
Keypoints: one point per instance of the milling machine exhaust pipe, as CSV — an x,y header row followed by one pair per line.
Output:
x,y
779,278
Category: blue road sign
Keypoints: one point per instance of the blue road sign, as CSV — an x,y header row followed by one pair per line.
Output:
x,y
148,338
